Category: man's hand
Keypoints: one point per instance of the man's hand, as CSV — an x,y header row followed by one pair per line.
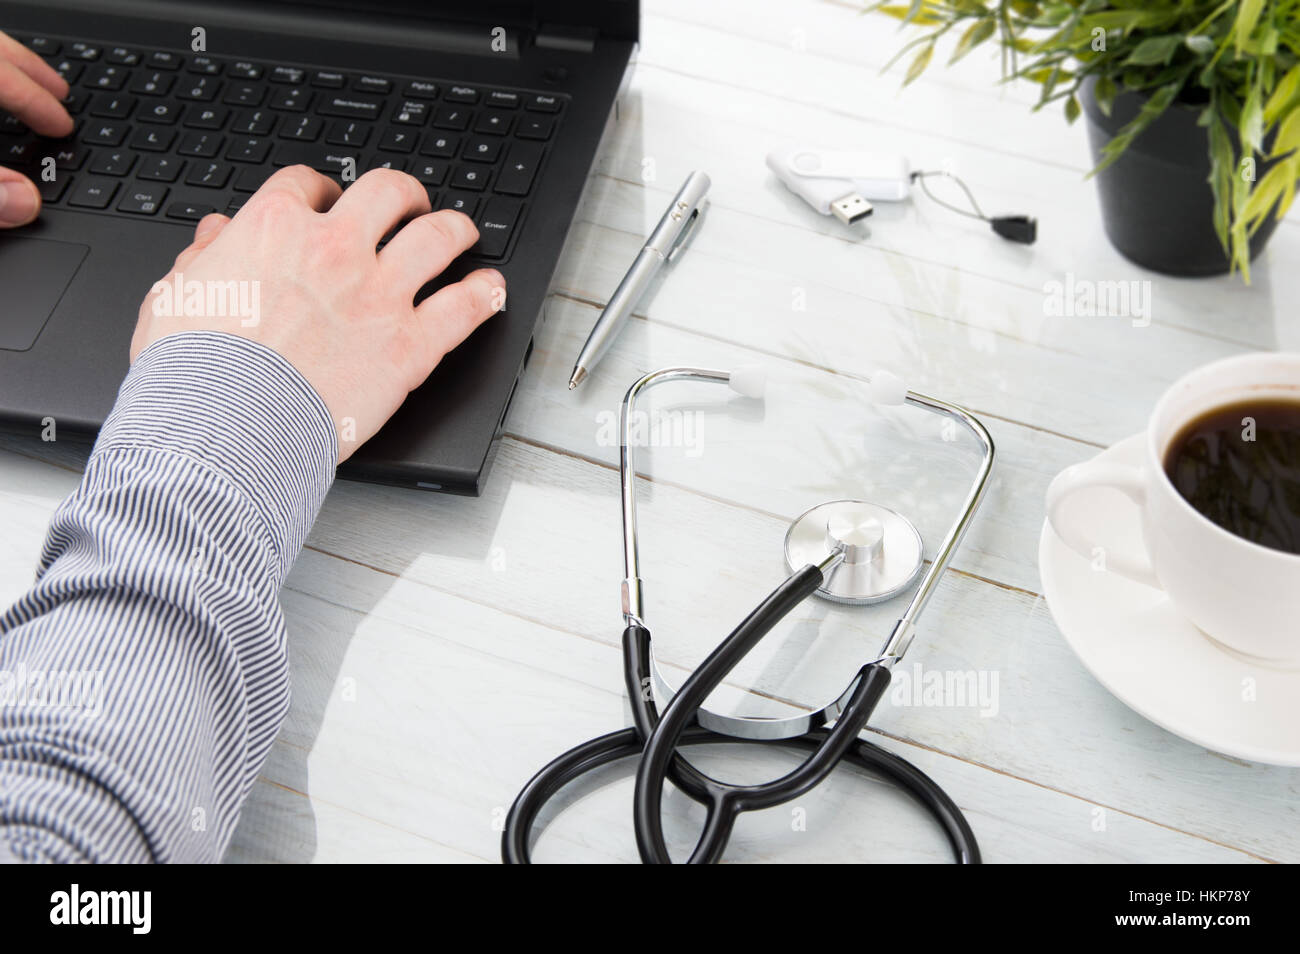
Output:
x,y
302,252
33,91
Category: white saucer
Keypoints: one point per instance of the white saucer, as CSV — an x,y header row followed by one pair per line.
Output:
x,y
1137,645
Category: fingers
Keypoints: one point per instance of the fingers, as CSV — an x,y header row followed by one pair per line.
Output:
x,y
19,200
205,233
32,103
447,317
424,247
320,192
31,63
377,202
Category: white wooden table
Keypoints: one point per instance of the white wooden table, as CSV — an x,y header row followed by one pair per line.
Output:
x,y
445,648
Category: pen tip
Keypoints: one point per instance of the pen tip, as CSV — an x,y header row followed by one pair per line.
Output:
x,y
578,375
572,385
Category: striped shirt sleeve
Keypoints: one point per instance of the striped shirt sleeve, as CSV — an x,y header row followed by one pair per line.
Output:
x,y
144,677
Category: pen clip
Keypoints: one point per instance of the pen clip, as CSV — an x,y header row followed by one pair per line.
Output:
x,y
687,230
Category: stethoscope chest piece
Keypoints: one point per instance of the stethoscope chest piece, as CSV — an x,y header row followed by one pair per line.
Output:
x,y
883,553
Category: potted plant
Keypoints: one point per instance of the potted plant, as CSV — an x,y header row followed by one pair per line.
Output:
x,y
1193,109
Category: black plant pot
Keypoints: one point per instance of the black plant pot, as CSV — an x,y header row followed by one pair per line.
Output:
x,y
1156,200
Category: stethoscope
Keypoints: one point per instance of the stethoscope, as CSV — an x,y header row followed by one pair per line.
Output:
x,y
848,551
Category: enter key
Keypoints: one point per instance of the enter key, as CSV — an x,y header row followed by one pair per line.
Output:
x,y
495,225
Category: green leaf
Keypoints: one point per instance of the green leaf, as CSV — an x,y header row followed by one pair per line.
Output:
x,y
1222,163
1282,95
1072,108
1288,134
1265,195
1105,92
1252,121
975,34
1154,50
919,63
1199,44
1247,16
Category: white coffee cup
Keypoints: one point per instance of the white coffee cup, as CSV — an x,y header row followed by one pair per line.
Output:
x,y
1242,594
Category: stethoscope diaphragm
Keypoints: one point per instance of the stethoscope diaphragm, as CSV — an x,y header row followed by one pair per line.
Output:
x,y
883,552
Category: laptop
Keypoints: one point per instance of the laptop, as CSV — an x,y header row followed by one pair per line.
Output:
x,y
184,107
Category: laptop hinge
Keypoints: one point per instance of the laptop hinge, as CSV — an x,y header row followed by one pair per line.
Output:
x,y
556,36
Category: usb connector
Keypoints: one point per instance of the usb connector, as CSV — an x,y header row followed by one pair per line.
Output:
x,y
851,208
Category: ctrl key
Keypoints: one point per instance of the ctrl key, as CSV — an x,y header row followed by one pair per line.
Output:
x,y
495,226
143,200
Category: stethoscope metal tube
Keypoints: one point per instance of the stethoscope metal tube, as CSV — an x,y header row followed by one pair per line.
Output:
x,y
686,722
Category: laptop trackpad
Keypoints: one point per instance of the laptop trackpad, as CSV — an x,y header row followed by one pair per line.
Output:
x,y
33,275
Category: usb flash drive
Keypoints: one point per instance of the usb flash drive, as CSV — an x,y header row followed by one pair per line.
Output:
x,y
841,184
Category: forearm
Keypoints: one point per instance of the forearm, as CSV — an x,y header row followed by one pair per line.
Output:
x,y
162,573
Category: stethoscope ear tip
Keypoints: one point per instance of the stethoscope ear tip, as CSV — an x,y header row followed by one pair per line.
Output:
x,y
887,388
749,380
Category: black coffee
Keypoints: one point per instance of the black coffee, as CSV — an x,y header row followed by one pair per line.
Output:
x,y
1239,466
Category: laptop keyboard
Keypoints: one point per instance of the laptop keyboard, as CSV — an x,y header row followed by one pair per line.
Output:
x,y
174,136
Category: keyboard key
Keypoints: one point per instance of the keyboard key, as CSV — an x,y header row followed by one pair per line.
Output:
x,y
245,70
320,158
205,117
153,140
460,202
83,51
421,89
160,168
18,153
143,199
249,149
70,157
258,122
190,211
11,126
346,132
153,83
396,139
165,112
534,127
517,172
211,175
495,226
244,94
113,162
74,102
440,146
494,121
251,178
45,46
165,61
542,103
303,128
292,98
429,172
411,113
387,162
107,77
469,178
52,190
205,65
123,56
462,94
205,145
503,99
112,105
452,117
236,203
350,107
70,70
372,84
328,79
287,74
482,149
104,133
200,88
93,193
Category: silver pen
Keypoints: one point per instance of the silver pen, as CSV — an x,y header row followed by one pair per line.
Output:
x,y
660,248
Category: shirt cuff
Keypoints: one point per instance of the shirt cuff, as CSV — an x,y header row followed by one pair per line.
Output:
x,y
243,411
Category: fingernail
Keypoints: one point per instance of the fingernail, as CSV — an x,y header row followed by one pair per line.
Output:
x,y
18,203
496,277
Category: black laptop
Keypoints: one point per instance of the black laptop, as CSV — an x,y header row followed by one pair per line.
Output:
x,y
186,107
